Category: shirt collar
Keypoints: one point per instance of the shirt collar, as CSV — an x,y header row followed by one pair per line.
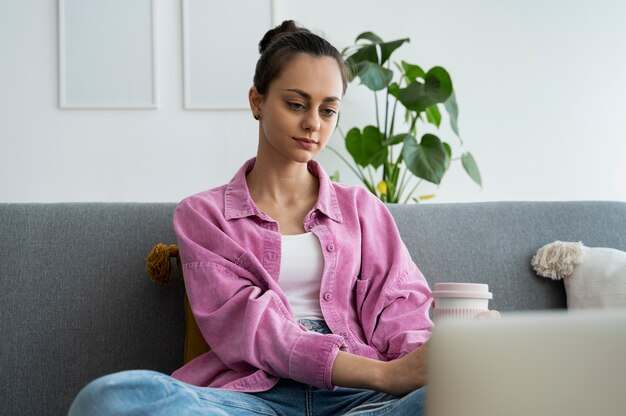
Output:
x,y
239,203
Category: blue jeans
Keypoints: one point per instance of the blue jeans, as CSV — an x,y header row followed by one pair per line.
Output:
x,y
141,392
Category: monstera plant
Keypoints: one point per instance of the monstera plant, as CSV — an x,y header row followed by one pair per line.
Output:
x,y
391,150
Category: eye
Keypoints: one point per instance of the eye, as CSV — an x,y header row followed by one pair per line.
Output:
x,y
295,106
329,112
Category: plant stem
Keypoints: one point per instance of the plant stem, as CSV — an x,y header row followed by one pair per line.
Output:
x,y
413,191
369,171
413,123
395,106
386,113
393,118
360,175
402,183
377,116
388,134
387,104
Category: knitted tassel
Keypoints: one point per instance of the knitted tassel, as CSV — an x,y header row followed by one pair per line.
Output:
x,y
158,263
558,259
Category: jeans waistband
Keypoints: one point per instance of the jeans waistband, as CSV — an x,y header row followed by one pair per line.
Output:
x,y
315,325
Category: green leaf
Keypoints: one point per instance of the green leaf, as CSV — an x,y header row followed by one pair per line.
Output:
x,y
453,111
354,145
418,96
374,76
397,139
433,115
426,160
387,48
366,148
367,53
412,72
439,83
373,147
369,36
449,152
379,157
471,167
394,89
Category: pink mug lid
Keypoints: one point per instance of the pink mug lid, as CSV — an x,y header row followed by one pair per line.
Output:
x,y
462,290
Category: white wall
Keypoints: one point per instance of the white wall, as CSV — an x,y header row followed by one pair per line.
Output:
x,y
539,84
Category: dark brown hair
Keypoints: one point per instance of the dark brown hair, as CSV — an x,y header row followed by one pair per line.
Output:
x,y
281,44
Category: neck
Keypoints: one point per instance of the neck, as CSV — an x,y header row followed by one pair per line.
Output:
x,y
283,183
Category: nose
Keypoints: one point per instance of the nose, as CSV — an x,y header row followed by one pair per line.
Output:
x,y
311,121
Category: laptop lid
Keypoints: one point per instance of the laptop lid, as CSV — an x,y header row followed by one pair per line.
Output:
x,y
550,363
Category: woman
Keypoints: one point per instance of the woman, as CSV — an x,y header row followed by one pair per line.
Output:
x,y
302,287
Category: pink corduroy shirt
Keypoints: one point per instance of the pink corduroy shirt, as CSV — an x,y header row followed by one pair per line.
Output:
x,y
373,297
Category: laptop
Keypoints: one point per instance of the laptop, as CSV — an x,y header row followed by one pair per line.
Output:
x,y
569,363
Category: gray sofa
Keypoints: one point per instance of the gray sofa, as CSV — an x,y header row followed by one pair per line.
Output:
x,y
76,303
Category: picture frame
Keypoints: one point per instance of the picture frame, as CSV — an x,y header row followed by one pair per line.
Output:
x,y
107,54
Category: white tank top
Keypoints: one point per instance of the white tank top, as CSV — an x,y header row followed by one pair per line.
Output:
x,y
301,268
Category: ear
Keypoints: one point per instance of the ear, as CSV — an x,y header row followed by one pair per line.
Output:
x,y
256,101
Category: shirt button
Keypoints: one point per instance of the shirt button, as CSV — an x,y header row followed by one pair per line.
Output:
x,y
344,334
330,247
328,296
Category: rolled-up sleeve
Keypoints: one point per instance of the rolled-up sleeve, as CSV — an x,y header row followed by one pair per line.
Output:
x,y
245,322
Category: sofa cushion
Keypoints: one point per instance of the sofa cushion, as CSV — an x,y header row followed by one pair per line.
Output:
x,y
195,345
595,277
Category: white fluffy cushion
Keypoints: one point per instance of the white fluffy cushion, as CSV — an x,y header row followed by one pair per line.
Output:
x,y
595,277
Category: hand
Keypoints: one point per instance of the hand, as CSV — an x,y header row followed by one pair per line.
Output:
x,y
398,377
405,374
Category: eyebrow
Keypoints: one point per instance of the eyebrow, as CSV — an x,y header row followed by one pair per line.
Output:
x,y
308,96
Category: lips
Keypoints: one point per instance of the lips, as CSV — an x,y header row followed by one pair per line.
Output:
x,y
305,143
305,140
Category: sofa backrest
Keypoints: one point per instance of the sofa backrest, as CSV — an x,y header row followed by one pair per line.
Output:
x,y
494,242
76,302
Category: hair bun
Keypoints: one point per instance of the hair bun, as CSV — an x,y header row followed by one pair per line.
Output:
x,y
285,28
281,43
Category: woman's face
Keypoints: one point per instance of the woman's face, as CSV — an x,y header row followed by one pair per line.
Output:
x,y
299,111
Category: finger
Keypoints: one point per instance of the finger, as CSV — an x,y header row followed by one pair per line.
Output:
x,y
488,315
